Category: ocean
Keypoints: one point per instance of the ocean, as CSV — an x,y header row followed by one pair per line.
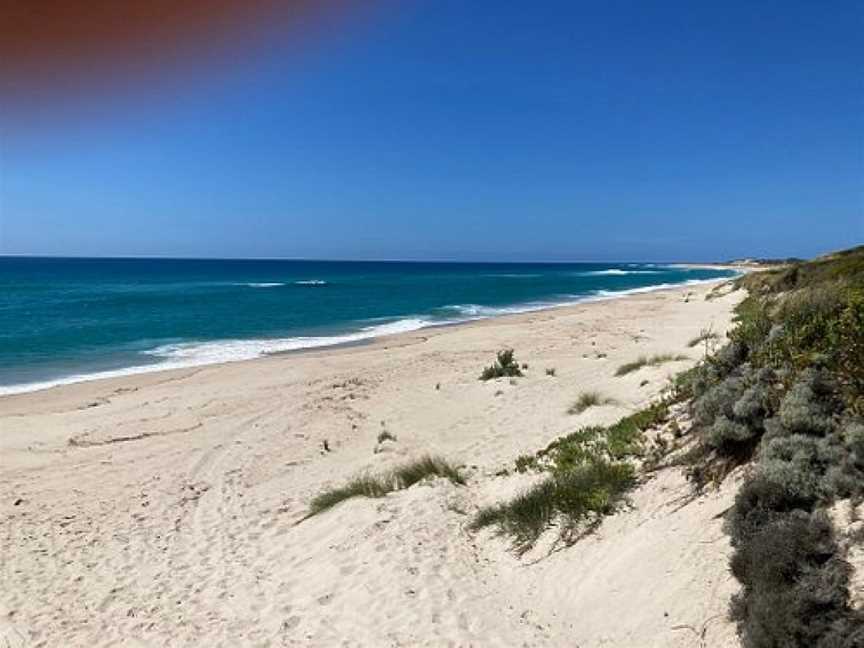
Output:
x,y
65,320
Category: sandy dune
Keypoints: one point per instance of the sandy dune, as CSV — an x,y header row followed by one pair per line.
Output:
x,y
165,509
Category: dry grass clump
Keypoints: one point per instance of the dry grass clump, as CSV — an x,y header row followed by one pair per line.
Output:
x,y
646,361
589,399
401,477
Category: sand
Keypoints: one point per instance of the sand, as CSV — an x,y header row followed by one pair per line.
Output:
x,y
167,509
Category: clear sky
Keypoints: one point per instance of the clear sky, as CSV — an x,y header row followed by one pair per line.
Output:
x,y
470,131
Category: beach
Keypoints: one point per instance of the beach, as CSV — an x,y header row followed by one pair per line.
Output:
x,y
170,508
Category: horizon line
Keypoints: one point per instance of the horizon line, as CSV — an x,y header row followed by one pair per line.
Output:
x,y
355,260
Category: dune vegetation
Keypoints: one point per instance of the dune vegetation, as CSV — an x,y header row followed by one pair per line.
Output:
x,y
403,476
785,396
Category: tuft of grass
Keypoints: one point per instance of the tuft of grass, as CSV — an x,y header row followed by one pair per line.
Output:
x,y
385,435
409,474
589,475
589,399
576,498
363,486
704,336
401,477
505,365
645,361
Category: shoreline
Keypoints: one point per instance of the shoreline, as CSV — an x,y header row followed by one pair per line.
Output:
x,y
359,337
171,507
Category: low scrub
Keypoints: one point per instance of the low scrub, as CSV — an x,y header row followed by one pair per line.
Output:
x,y
403,476
504,366
646,361
788,392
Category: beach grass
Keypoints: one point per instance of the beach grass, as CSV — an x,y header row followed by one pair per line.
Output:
x,y
704,336
589,399
589,473
648,361
401,477
576,498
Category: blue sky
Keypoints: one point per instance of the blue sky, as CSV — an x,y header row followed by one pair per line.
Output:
x,y
470,131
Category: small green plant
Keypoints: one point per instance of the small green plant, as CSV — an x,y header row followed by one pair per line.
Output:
x,y
401,477
505,366
409,474
706,336
589,475
550,371
364,486
644,361
525,462
589,399
386,435
577,499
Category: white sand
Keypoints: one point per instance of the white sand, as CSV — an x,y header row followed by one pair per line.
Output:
x,y
162,509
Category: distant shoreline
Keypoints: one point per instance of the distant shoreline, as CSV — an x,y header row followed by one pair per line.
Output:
x,y
160,368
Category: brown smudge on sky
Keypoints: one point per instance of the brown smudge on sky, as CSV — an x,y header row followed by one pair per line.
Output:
x,y
54,49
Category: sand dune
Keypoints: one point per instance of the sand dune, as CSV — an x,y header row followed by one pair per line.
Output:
x,y
168,509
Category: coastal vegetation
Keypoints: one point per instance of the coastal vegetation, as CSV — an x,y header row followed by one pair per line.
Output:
x,y
648,361
505,366
787,393
587,475
589,399
401,477
707,336
784,399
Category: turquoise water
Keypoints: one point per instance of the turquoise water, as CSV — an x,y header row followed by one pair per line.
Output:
x,y
64,320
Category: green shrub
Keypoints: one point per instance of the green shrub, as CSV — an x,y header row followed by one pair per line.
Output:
x,y
525,462
792,381
504,366
847,337
810,405
726,434
795,591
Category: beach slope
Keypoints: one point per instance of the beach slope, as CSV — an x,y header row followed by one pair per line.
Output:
x,y
170,509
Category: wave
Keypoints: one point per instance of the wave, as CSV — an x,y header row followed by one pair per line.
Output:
x,y
310,282
184,355
193,354
615,272
478,311
262,284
